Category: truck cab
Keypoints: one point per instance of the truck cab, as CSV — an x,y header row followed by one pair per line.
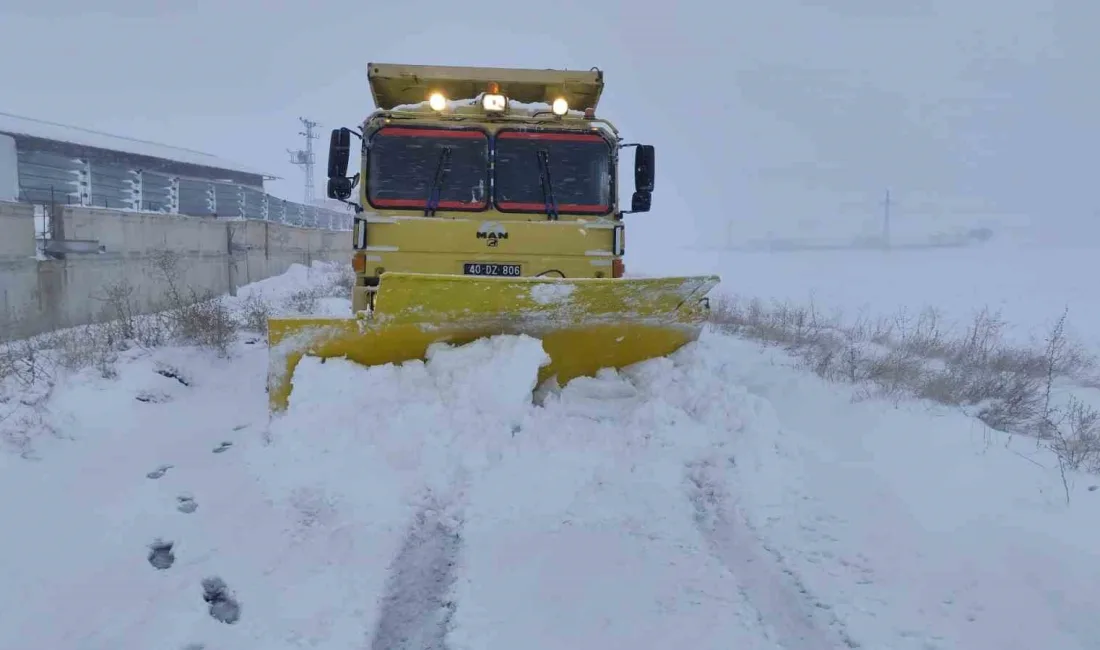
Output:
x,y
491,172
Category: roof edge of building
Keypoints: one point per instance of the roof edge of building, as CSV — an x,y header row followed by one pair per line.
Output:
x,y
137,146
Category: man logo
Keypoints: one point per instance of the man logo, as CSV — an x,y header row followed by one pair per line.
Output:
x,y
492,232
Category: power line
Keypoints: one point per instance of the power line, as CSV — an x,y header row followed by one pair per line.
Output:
x,y
305,159
886,220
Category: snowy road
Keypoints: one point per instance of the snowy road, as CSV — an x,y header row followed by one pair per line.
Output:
x,y
600,519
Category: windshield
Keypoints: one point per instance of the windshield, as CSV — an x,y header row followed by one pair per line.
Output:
x,y
579,178
407,167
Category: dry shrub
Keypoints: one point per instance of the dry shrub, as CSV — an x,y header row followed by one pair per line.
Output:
x,y
1077,440
23,365
254,313
342,283
304,301
202,319
205,321
86,346
124,325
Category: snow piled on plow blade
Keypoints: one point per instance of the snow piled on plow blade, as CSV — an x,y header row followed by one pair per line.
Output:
x,y
585,324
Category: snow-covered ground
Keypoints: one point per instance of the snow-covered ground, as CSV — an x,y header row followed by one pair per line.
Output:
x,y
1029,285
718,498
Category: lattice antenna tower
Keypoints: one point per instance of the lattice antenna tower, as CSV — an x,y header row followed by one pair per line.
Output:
x,y
305,159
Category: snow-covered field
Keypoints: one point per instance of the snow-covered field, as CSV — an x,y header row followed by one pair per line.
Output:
x,y
1029,285
719,498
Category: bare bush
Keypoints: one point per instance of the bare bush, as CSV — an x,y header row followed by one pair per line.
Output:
x,y
86,346
895,372
119,301
925,339
201,319
27,379
1069,431
1077,442
124,325
304,301
24,364
206,321
343,282
254,313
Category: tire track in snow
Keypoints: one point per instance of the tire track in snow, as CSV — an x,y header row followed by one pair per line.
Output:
x,y
416,609
785,607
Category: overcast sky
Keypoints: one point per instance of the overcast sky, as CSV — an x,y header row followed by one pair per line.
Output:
x,y
777,115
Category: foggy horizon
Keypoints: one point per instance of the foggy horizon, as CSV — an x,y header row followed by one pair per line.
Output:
x,y
791,117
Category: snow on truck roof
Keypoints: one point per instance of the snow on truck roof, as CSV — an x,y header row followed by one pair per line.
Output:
x,y
397,84
33,128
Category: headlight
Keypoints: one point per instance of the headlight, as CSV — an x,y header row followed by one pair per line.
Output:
x,y
493,103
437,101
560,107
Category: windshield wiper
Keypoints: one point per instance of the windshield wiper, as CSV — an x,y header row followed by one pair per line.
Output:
x,y
550,202
435,189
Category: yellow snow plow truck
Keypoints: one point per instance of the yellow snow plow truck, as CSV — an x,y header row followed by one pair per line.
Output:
x,y
488,204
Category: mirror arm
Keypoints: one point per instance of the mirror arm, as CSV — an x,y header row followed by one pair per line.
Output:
x,y
354,183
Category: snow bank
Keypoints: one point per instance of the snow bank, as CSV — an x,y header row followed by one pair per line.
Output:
x,y
297,277
301,290
916,525
32,370
121,463
80,520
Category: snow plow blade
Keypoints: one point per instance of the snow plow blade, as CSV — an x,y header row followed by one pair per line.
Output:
x,y
585,324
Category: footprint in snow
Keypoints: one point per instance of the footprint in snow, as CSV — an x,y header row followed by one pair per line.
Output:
x,y
161,555
159,472
148,397
222,447
223,606
172,373
186,504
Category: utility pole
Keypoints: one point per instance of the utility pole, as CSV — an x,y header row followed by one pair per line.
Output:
x,y
886,220
304,158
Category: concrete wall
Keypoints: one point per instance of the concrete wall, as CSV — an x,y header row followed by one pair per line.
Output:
x,y
38,295
9,169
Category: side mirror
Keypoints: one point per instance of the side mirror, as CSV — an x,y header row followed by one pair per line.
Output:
x,y
339,150
339,187
641,201
644,163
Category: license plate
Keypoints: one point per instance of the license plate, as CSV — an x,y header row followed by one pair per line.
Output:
x,y
483,268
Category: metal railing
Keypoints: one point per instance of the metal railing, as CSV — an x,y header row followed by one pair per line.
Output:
x,y
196,198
